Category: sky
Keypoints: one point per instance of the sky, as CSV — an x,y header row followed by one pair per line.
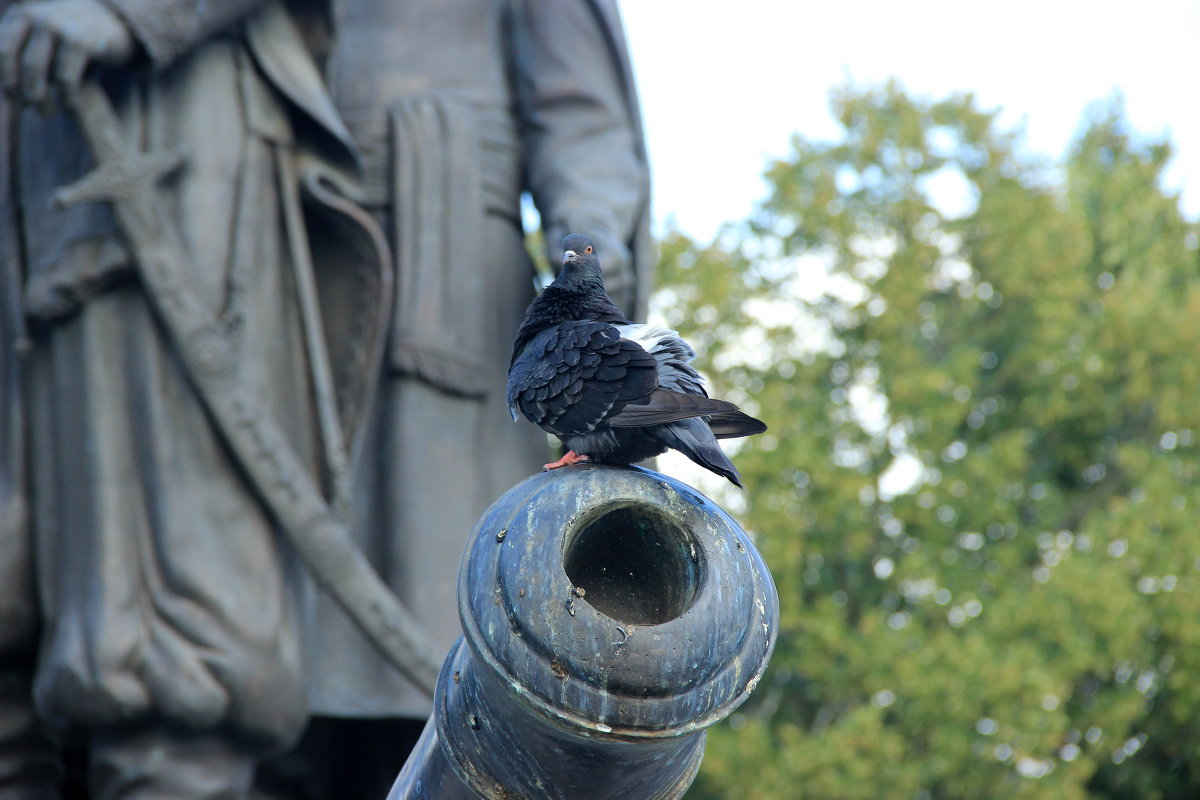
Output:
x,y
724,86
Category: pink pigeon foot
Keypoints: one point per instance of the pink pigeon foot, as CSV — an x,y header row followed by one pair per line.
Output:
x,y
570,458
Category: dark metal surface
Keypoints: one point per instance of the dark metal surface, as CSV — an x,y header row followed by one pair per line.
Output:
x,y
610,615
129,180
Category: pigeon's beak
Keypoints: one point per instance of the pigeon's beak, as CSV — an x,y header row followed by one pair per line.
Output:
x,y
568,256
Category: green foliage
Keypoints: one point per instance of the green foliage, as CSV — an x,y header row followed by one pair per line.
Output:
x,y
1018,615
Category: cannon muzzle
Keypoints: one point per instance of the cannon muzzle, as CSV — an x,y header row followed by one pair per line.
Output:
x,y
610,615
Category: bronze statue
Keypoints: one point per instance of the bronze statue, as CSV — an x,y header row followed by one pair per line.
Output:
x,y
174,619
170,609
458,108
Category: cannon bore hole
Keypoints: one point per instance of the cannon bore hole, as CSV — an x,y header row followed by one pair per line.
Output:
x,y
635,563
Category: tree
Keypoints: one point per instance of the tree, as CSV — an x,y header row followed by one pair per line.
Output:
x,y
978,492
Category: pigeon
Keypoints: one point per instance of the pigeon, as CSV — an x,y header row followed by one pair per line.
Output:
x,y
613,391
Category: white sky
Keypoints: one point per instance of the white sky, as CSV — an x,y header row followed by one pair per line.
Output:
x,y
724,85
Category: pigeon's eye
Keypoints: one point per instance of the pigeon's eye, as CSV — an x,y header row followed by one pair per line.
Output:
x,y
589,249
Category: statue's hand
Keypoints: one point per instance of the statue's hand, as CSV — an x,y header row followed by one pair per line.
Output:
x,y
54,41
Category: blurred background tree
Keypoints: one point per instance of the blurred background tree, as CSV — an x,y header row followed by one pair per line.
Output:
x,y
978,494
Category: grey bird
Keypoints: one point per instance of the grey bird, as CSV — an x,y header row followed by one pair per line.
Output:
x,y
613,391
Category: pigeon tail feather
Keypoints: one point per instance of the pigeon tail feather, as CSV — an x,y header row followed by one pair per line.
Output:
x,y
735,424
693,438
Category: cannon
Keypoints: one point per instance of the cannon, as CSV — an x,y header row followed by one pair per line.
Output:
x,y
610,615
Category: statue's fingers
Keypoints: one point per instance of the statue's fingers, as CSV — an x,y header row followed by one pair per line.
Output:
x,y
36,64
69,65
14,30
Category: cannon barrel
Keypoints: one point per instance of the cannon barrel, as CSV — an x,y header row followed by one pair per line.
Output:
x,y
610,615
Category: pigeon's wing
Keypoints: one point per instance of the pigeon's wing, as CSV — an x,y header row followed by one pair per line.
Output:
x,y
673,354
574,375
681,394
665,405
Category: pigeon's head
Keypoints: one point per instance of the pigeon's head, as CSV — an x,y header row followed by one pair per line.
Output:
x,y
580,260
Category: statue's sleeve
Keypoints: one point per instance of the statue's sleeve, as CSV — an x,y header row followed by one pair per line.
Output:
x,y
169,28
585,162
